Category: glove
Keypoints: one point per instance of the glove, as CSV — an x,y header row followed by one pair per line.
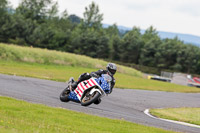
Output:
x,y
94,75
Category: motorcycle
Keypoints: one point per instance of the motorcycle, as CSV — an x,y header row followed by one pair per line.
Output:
x,y
88,91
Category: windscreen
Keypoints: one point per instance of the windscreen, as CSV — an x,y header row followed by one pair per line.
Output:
x,y
107,78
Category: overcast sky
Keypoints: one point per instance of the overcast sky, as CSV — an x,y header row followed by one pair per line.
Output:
x,y
180,16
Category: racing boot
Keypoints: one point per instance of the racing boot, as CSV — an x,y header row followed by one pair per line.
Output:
x,y
71,80
74,85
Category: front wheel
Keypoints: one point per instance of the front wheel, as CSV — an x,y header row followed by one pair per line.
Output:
x,y
64,95
89,99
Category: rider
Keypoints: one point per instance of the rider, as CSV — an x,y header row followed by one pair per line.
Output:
x,y
110,69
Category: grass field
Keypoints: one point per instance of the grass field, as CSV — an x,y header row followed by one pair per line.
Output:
x,y
63,73
44,56
21,117
189,115
60,66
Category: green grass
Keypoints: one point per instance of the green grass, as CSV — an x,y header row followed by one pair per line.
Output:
x,y
44,56
60,66
50,72
18,116
63,73
131,82
189,115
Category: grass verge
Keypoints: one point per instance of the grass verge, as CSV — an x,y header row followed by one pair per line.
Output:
x,y
20,116
44,56
63,73
189,115
60,66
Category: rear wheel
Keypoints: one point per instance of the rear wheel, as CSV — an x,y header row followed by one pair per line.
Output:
x,y
90,98
98,101
64,95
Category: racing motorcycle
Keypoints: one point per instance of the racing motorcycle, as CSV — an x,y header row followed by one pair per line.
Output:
x,y
88,91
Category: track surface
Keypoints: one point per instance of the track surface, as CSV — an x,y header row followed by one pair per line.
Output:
x,y
121,104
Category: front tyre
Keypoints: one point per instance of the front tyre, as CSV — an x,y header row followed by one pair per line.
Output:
x,y
64,95
89,99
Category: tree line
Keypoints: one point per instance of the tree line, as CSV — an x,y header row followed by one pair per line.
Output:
x,y
38,23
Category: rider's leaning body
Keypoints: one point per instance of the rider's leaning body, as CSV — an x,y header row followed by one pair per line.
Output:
x,y
110,70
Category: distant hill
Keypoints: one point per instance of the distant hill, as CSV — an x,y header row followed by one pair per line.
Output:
x,y
187,38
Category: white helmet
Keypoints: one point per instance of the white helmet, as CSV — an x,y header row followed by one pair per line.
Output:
x,y
112,68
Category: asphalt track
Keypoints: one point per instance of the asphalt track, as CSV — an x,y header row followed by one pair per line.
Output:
x,y
121,104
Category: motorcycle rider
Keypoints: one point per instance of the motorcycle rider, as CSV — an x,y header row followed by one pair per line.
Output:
x,y
110,69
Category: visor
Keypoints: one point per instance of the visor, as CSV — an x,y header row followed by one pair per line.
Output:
x,y
112,71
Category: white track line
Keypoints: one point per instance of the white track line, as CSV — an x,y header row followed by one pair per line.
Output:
x,y
177,122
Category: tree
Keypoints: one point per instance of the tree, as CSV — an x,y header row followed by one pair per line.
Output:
x,y
149,50
38,10
166,54
116,51
92,17
4,20
190,58
40,25
74,19
131,46
3,7
89,38
89,42
112,30
113,35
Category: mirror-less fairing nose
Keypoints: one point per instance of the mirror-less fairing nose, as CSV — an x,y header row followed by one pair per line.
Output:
x,y
107,77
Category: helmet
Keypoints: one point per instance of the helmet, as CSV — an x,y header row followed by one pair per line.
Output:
x,y
111,68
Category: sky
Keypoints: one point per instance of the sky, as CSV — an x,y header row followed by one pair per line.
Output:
x,y
179,16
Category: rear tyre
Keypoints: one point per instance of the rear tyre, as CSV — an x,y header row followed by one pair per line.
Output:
x,y
98,101
64,95
89,99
